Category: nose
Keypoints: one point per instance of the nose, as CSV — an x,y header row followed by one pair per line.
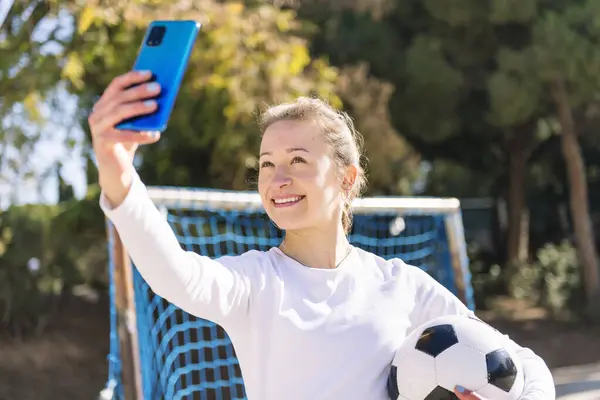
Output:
x,y
282,178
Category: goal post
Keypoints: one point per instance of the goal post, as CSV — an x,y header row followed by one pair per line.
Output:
x,y
159,351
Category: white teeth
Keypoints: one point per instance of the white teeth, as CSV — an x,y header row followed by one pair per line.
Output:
x,y
287,200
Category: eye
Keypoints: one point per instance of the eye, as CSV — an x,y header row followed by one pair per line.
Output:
x,y
266,164
298,160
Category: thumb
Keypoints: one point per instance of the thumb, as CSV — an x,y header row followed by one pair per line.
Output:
x,y
149,137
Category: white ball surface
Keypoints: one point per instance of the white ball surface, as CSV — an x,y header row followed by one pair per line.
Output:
x,y
455,350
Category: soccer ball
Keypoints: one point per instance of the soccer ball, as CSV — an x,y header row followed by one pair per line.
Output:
x,y
455,350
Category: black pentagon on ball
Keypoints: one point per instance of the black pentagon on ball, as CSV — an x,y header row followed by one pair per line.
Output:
x,y
392,384
502,371
439,393
436,339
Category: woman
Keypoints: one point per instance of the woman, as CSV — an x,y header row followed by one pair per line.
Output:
x,y
314,318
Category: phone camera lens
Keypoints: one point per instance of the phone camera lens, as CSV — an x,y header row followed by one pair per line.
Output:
x,y
156,35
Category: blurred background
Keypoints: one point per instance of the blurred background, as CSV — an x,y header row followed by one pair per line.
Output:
x,y
496,103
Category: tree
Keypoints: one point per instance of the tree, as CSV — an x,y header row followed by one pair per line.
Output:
x,y
567,60
249,54
393,165
559,69
440,58
245,57
23,55
472,81
28,78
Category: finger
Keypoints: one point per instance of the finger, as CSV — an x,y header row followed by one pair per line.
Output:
x,y
464,394
106,119
121,83
139,92
130,137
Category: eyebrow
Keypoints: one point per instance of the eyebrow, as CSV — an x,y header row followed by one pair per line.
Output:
x,y
290,150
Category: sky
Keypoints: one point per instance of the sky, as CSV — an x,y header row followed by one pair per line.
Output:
x,y
51,147
5,5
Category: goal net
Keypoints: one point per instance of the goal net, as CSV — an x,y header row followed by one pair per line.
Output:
x,y
157,351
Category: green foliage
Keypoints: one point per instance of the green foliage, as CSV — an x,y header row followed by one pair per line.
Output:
x,y
486,277
451,179
467,73
246,56
25,294
457,83
431,83
472,80
553,280
82,232
22,57
393,165
45,251
28,75
507,11
513,98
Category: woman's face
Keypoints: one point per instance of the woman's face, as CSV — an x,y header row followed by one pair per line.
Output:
x,y
299,181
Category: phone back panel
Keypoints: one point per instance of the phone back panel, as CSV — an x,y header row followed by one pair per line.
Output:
x,y
168,62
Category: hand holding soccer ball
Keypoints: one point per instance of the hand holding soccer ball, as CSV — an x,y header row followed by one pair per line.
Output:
x,y
450,351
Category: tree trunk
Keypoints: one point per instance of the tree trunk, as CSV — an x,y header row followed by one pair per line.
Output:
x,y
578,195
519,149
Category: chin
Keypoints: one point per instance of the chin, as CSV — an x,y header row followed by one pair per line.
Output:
x,y
288,223
288,219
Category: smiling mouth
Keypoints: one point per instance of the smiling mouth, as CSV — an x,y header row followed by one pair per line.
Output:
x,y
287,201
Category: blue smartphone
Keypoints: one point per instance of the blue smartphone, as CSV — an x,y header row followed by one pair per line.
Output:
x,y
165,51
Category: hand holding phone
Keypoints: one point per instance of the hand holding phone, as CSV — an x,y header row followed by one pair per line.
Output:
x,y
165,52
136,106
128,96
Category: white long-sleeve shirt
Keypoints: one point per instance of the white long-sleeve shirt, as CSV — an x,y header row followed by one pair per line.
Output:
x,y
300,333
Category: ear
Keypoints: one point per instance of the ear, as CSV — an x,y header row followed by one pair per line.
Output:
x,y
349,177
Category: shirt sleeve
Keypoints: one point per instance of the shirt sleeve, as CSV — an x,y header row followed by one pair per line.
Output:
x,y
216,290
434,300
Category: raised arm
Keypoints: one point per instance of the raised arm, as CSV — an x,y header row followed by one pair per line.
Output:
x,y
434,300
217,290
214,290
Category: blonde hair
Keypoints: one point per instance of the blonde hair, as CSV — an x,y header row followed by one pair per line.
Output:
x,y
338,129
